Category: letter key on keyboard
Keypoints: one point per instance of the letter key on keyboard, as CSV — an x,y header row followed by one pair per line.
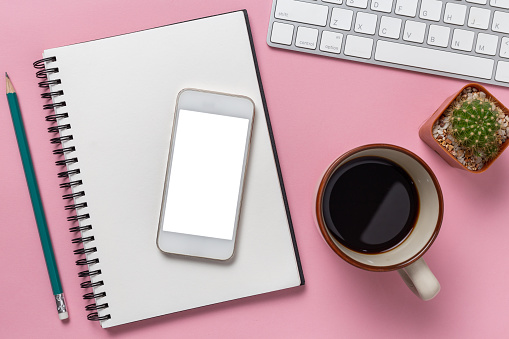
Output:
x,y
466,39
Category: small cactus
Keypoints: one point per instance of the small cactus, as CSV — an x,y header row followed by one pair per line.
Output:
x,y
474,125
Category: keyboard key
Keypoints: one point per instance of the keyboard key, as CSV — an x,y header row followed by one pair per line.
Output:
x,y
479,18
389,27
430,10
406,7
414,31
500,3
504,48
281,33
365,23
337,2
358,46
502,73
304,12
462,40
500,22
432,59
480,2
357,3
382,6
306,37
438,35
341,19
455,14
486,44
331,42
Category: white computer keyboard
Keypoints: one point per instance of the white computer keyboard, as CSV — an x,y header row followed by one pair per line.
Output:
x,y
466,39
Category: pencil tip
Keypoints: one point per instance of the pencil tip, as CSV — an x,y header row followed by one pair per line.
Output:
x,y
8,84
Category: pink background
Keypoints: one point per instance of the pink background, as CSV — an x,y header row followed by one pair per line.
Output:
x,y
319,108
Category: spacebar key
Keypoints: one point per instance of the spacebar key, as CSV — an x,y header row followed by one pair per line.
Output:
x,y
433,59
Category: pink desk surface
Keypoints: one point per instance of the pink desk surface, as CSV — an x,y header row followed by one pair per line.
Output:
x,y
319,108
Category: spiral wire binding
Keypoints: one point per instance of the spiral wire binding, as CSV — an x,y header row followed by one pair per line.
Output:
x,y
61,132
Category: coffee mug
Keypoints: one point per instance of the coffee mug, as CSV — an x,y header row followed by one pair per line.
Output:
x,y
380,207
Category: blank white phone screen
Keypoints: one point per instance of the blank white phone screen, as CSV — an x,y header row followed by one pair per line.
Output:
x,y
205,174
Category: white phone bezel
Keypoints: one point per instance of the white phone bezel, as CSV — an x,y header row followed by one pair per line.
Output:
x,y
213,103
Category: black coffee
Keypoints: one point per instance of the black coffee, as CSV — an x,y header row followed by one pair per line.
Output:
x,y
370,204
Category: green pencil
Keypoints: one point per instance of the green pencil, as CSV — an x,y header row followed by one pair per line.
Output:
x,y
35,196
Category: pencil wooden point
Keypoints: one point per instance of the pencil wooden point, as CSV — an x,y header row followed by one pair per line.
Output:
x,y
9,88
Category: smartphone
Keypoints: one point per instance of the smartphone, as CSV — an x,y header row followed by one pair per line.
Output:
x,y
209,151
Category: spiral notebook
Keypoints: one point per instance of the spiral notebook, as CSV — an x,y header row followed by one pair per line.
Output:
x,y
110,104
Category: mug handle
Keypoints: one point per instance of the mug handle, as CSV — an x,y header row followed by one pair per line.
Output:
x,y
419,278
